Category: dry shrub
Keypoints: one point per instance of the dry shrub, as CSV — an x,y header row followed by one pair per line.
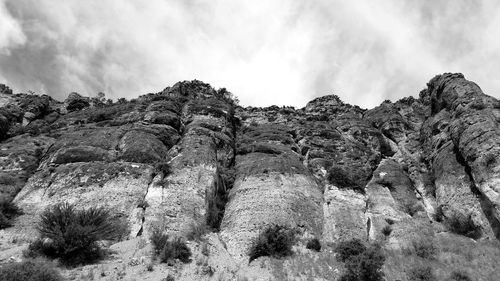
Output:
x,y
421,273
362,263
339,177
423,248
460,275
8,211
168,250
314,244
72,235
29,270
276,241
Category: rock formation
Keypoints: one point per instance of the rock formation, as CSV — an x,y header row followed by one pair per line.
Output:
x,y
189,156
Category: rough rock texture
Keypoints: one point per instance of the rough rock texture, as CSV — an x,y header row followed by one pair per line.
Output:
x,y
190,159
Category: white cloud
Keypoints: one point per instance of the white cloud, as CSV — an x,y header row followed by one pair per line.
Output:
x,y
266,52
11,34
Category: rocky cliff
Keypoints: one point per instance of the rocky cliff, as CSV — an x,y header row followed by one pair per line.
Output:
x,y
423,168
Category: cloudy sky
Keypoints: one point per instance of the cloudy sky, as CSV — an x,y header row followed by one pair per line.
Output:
x,y
282,52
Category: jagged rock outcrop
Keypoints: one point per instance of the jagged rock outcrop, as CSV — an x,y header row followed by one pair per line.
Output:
x,y
189,158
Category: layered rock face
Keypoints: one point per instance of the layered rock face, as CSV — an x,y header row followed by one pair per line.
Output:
x,y
189,156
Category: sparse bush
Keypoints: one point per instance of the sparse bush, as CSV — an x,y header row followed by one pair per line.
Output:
x,y
384,147
365,266
101,114
72,235
349,248
421,273
121,101
314,244
340,178
29,270
159,240
109,112
387,230
210,106
4,221
168,250
8,211
6,179
276,241
77,104
423,248
176,249
142,203
460,276
463,225
439,216
196,230
163,167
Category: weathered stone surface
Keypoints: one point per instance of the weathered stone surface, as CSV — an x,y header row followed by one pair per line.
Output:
x,y
166,134
142,147
19,159
272,187
79,154
344,215
179,201
391,197
34,106
387,118
474,131
117,186
106,138
257,202
399,172
166,118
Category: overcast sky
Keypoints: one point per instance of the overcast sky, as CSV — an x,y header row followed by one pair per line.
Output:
x,y
282,52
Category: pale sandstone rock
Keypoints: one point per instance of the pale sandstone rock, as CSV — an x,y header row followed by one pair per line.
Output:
x,y
411,158
179,201
344,215
117,186
257,202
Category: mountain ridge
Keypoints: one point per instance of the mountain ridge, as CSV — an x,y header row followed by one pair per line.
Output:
x,y
425,168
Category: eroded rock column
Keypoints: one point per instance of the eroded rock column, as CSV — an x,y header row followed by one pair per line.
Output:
x,y
272,187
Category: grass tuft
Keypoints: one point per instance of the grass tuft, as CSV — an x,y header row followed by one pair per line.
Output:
x,y
29,270
169,250
387,230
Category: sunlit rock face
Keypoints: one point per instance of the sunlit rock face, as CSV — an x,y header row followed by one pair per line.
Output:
x,y
190,160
